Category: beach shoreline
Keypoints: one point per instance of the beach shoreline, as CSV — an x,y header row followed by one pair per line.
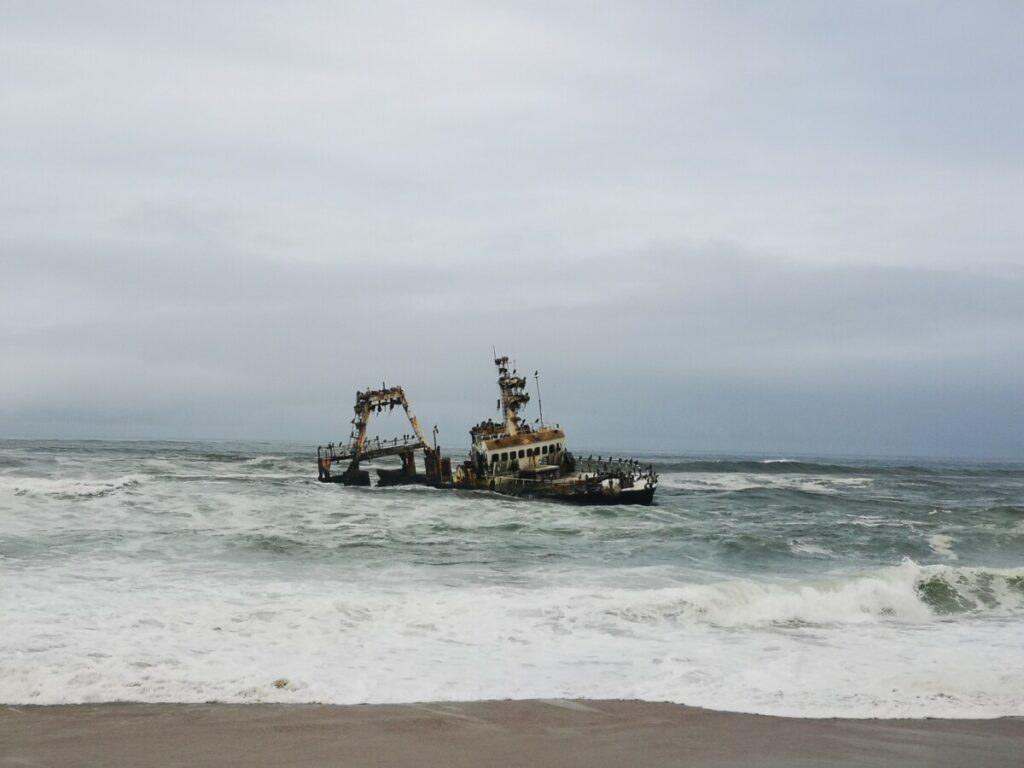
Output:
x,y
533,732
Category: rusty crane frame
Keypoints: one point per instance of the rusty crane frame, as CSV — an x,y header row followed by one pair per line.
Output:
x,y
363,448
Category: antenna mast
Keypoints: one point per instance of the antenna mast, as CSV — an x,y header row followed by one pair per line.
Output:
x,y
540,406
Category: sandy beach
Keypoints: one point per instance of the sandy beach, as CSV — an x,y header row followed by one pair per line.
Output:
x,y
512,733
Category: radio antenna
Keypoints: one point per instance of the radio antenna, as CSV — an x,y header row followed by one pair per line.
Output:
x,y
540,407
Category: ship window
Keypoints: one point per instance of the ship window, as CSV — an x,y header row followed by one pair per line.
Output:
x,y
504,456
522,453
544,449
494,458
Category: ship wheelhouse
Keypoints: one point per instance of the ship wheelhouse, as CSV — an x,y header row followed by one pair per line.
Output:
x,y
539,450
512,457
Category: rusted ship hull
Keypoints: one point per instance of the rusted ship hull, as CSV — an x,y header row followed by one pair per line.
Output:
x,y
509,457
621,482
639,497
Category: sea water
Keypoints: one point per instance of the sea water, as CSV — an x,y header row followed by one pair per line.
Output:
x,y
191,572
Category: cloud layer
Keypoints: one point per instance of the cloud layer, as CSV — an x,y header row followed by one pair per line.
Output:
x,y
712,228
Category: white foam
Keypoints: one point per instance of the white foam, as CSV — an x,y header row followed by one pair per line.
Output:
x,y
714,482
176,591
807,548
66,487
942,545
861,646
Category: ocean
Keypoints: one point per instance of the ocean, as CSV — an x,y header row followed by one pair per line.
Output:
x,y
195,572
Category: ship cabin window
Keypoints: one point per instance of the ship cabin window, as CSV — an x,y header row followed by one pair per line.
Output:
x,y
504,456
494,458
544,449
522,453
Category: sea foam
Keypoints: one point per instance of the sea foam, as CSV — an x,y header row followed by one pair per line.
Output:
x,y
870,645
196,572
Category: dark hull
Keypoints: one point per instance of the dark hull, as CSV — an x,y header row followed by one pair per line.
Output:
x,y
389,477
581,490
588,497
362,477
644,497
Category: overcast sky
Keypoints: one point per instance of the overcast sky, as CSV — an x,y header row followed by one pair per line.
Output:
x,y
792,228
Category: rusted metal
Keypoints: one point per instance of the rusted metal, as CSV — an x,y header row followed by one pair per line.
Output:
x,y
511,458
363,448
524,438
506,456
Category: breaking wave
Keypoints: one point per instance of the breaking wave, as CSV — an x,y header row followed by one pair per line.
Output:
x,y
948,591
775,648
67,488
738,482
905,593
197,572
791,466
764,466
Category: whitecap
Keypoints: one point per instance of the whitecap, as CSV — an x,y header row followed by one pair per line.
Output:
x,y
942,545
67,487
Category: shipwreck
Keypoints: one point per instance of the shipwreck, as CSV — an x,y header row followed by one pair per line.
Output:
x,y
509,456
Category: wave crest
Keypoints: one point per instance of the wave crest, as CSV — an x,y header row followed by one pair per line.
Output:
x,y
766,466
906,593
67,488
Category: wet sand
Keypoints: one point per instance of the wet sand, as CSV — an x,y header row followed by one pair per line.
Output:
x,y
508,733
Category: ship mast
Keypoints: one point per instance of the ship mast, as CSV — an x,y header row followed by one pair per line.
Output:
x,y
513,395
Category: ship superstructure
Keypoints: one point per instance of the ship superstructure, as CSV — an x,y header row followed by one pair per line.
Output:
x,y
511,446
511,457
508,456
361,448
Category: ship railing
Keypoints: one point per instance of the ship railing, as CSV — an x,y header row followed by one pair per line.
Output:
x,y
622,468
372,448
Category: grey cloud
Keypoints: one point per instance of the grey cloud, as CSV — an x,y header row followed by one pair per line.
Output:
x,y
730,227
